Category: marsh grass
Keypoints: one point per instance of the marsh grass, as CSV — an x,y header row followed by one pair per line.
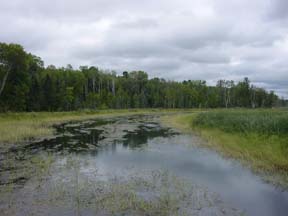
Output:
x,y
245,122
37,167
21,127
69,190
157,193
258,138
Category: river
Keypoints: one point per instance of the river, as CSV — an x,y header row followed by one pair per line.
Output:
x,y
125,148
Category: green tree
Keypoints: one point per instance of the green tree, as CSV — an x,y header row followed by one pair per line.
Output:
x,y
14,84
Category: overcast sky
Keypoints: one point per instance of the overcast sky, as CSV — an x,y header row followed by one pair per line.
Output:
x,y
173,39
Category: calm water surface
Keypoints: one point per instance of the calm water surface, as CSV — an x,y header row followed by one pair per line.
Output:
x,y
122,145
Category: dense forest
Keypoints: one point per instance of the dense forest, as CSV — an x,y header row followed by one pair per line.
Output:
x,y
26,85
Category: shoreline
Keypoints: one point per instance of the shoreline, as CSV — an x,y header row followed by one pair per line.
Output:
x,y
19,128
235,146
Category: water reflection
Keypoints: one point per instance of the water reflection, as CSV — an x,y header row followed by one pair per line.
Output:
x,y
129,144
145,132
88,137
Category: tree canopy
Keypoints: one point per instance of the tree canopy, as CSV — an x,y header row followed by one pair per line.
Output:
x,y
26,85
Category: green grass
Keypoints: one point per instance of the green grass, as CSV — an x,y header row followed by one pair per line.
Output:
x,y
258,138
245,122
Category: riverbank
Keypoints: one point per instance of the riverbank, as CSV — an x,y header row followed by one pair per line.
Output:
x,y
90,165
61,172
21,127
257,138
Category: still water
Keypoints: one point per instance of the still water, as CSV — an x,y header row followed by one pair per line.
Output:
x,y
123,145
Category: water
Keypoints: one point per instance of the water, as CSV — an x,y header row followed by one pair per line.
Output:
x,y
121,146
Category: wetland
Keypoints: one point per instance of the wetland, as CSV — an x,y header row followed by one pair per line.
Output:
x,y
129,165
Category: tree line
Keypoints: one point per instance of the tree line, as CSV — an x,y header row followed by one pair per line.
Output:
x,y
26,85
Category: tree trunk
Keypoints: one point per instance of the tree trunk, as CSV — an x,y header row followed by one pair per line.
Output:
x,y
4,82
113,87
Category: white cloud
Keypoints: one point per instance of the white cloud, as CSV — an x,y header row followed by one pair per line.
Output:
x,y
184,39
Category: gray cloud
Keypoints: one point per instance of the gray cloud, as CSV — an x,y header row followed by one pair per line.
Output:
x,y
187,39
141,23
279,9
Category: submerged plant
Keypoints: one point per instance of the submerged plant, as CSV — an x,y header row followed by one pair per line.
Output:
x,y
155,193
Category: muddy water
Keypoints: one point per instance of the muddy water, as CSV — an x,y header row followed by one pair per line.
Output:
x,y
135,146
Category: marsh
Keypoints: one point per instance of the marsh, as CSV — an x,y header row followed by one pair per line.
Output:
x,y
129,165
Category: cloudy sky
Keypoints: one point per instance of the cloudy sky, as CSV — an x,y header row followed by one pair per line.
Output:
x,y
173,39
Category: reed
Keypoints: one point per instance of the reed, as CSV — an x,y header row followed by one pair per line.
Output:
x,y
248,121
257,138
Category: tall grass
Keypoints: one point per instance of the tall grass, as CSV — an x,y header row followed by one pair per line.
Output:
x,y
258,138
262,122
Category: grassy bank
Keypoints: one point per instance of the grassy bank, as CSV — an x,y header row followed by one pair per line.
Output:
x,y
19,127
258,138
